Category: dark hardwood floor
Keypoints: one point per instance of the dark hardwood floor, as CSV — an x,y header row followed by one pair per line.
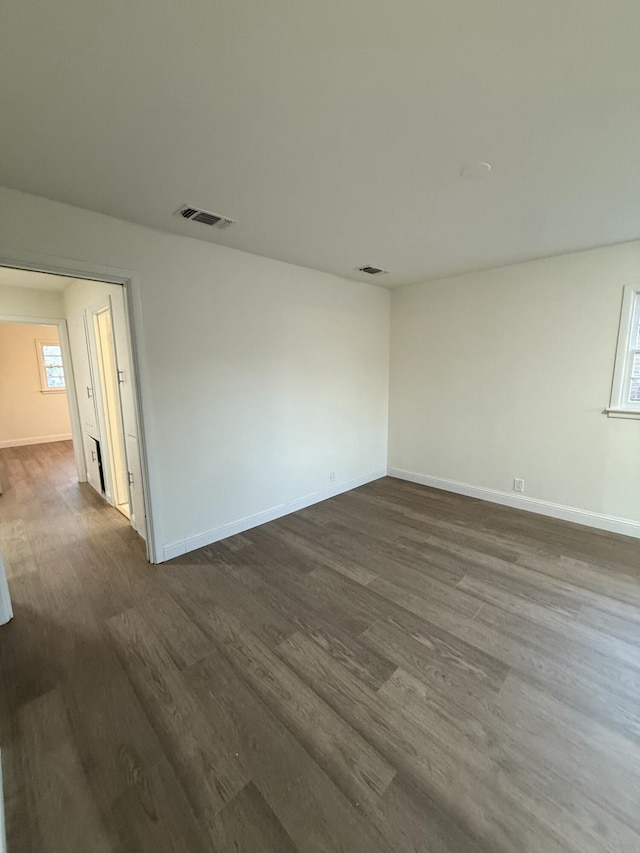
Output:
x,y
396,669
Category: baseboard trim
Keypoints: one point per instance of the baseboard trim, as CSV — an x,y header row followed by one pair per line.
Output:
x,y
192,543
611,523
39,439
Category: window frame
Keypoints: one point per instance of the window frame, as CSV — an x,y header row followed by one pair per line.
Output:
x,y
619,404
44,386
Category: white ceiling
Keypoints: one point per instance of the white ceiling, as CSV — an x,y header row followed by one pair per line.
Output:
x,y
33,280
335,131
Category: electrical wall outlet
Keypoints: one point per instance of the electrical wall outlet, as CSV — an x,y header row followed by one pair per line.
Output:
x,y
518,485
332,476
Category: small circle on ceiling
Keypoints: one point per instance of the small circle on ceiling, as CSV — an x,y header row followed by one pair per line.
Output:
x,y
476,171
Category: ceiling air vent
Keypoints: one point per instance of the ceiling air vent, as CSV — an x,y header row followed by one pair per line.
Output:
x,y
372,270
195,214
187,212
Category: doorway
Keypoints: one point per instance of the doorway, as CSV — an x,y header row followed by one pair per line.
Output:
x,y
106,384
95,349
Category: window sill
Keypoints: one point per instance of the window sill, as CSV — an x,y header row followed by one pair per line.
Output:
x,y
633,414
53,390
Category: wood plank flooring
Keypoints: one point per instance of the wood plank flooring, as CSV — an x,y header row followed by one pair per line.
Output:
x,y
395,669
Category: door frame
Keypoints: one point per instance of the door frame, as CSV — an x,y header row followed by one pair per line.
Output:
x,y
130,282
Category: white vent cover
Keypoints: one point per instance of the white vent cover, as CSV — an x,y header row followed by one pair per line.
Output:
x,y
205,217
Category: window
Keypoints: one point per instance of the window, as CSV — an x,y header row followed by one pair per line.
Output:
x,y
50,364
625,391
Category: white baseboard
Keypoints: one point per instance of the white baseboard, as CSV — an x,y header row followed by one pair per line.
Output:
x,y
612,523
192,543
39,439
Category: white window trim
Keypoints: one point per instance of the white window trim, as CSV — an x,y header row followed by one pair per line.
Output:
x,y
43,373
619,405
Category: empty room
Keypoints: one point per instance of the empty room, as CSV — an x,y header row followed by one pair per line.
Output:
x,y
320,427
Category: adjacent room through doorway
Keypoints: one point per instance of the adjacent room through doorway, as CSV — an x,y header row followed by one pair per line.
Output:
x,y
69,377
33,395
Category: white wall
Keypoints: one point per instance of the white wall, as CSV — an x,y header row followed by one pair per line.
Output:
x,y
27,415
505,374
27,302
258,377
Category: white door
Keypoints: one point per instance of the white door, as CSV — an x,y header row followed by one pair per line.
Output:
x,y
126,382
111,403
82,370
